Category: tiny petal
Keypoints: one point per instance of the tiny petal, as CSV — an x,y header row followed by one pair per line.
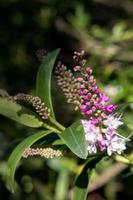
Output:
x,y
91,148
112,122
115,145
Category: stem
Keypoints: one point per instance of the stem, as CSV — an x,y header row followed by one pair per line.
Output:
x,y
51,128
121,159
57,124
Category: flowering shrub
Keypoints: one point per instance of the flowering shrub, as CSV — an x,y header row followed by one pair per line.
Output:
x,y
92,137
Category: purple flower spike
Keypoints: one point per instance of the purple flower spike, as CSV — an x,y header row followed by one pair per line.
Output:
x,y
100,125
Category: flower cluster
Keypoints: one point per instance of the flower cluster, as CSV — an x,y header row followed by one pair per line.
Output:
x,y
69,85
43,152
42,110
41,54
104,137
101,124
95,104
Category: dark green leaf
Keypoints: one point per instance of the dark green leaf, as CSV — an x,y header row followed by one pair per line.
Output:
x,y
19,113
74,138
43,82
82,181
123,106
17,154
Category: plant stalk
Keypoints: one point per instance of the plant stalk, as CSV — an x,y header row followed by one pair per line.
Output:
x,y
57,124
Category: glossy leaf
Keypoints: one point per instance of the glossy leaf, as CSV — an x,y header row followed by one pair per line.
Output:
x,y
19,113
43,82
74,138
17,154
81,184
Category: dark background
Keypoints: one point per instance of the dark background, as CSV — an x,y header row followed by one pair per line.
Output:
x,y
104,29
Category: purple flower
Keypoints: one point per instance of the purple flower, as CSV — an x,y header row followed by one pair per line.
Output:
x,y
103,98
103,139
112,122
98,102
110,108
102,144
83,108
101,125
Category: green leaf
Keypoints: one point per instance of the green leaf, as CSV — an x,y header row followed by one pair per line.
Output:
x,y
123,106
81,184
62,184
43,82
74,138
19,113
16,156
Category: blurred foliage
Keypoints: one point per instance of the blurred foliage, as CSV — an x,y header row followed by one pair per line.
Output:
x,y
104,29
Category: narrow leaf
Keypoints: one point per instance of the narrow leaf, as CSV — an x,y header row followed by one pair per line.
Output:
x,y
43,82
62,185
123,106
18,113
81,185
74,138
16,156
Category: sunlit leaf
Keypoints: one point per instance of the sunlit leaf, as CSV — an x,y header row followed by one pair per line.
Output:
x,y
43,82
19,113
17,154
74,138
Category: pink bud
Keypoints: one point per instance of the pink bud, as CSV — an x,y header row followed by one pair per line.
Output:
x,y
94,121
85,97
98,105
110,108
82,86
88,112
83,108
77,68
102,144
93,109
103,98
88,103
89,70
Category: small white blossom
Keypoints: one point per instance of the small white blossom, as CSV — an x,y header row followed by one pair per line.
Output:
x,y
91,147
91,131
116,145
91,135
112,122
105,138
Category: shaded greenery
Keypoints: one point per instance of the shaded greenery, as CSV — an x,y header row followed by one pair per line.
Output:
x,y
104,30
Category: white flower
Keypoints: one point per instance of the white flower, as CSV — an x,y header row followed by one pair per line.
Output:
x,y
116,145
112,122
91,147
105,138
91,131
91,135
